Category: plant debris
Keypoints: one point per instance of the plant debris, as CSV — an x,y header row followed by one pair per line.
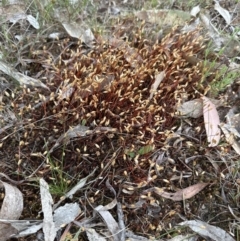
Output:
x,y
120,126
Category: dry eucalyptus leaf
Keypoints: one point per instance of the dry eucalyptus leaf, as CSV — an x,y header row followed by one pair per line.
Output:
x,y
158,79
9,11
233,120
17,13
19,77
133,237
211,121
218,40
16,17
47,202
73,132
188,237
12,205
164,17
108,219
223,12
207,230
194,108
13,2
62,216
182,194
93,235
33,21
195,11
55,35
130,54
230,138
29,229
76,31
65,214
121,224
11,209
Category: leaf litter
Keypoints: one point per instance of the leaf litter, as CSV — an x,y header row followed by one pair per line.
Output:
x,y
180,195
207,231
11,209
52,222
211,121
116,230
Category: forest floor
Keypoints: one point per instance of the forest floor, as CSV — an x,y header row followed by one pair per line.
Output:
x,y
119,120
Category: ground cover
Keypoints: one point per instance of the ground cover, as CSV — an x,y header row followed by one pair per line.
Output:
x,y
112,105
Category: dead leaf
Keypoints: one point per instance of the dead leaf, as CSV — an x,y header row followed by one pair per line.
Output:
x,y
223,12
74,132
230,138
158,79
93,235
207,230
19,77
26,227
164,17
195,11
9,11
33,21
65,215
11,209
77,31
47,202
108,219
121,224
61,217
233,121
14,197
211,121
194,108
188,237
182,194
133,237
15,12
218,40
130,54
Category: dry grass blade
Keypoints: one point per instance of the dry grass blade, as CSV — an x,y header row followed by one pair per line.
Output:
x,y
231,211
76,188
